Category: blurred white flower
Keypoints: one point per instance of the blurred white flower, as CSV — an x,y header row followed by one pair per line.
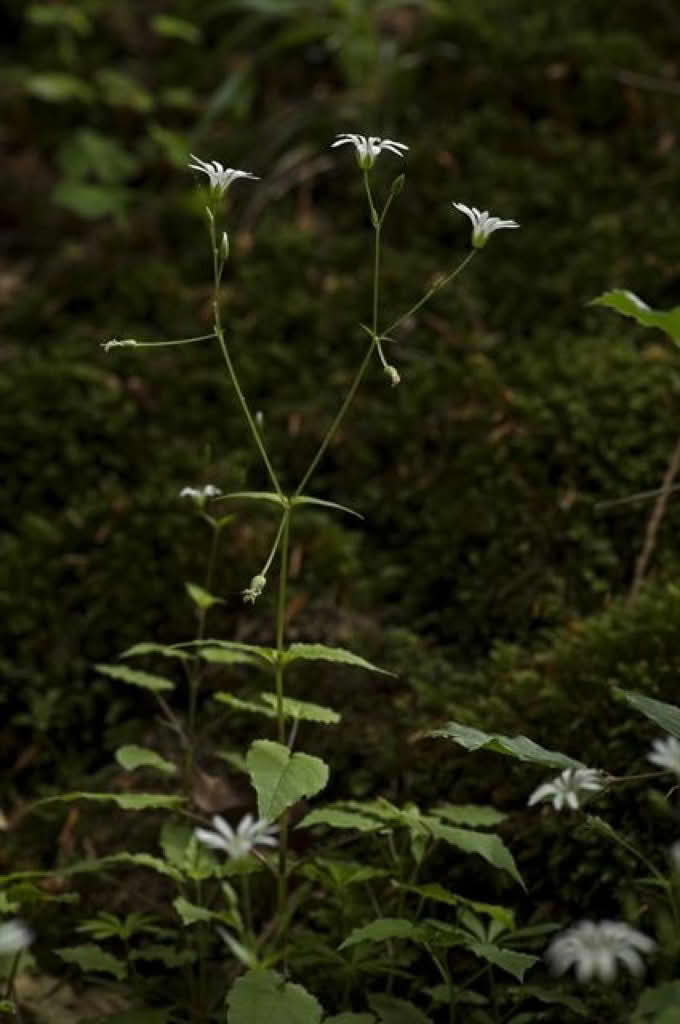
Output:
x,y
200,493
220,177
593,950
14,936
674,856
568,788
482,224
253,591
666,754
249,833
369,147
118,343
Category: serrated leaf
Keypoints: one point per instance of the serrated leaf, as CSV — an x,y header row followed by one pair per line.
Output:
x,y
264,997
319,652
91,958
391,1010
244,705
201,598
147,647
490,847
267,653
224,656
469,814
520,747
302,499
281,779
156,684
629,304
382,930
338,818
666,716
131,757
516,964
303,710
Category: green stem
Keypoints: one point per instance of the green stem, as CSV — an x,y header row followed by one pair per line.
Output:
x,y
282,887
428,294
219,334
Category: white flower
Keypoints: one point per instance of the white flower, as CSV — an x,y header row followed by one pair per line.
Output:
x,y
250,833
220,177
199,494
369,147
14,936
482,224
593,949
118,343
666,754
568,788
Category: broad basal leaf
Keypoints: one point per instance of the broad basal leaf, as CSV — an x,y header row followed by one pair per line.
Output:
x,y
319,652
383,929
281,779
157,684
132,756
519,747
264,997
666,716
629,304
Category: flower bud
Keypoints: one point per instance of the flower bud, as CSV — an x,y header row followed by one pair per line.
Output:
x,y
224,247
116,343
393,375
252,592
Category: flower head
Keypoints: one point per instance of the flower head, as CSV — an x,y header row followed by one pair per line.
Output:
x,y
14,936
568,788
255,588
199,494
666,754
220,177
482,224
249,833
593,949
369,147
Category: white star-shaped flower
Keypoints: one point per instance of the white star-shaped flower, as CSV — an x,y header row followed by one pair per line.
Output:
x,y
666,754
200,493
369,147
568,788
220,177
14,936
239,843
483,225
593,950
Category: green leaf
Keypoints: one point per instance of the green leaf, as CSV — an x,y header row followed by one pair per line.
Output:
x,y
270,496
469,814
666,716
126,801
514,963
62,15
267,653
351,1018
629,304
222,656
132,757
382,930
264,997
156,684
519,747
319,652
303,710
58,87
302,499
150,648
391,1010
189,912
280,779
337,818
91,958
244,705
91,201
550,995
490,847
201,598
120,90
175,28
435,891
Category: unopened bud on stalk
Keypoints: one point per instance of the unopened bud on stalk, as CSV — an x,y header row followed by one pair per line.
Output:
x,y
116,343
397,185
393,375
224,246
257,585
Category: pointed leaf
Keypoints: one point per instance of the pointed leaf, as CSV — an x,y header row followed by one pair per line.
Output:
x,y
126,801
225,656
270,496
337,818
490,847
190,913
302,499
469,814
435,891
264,997
520,747
303,710
629,304
132,756
516,964
280,779
268,653
319,652
666,716
244,705
146,647
91,958
382,930
201,598
550,995
156,684
391,1010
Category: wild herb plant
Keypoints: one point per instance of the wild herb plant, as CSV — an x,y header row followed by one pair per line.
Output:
x,y
305,917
